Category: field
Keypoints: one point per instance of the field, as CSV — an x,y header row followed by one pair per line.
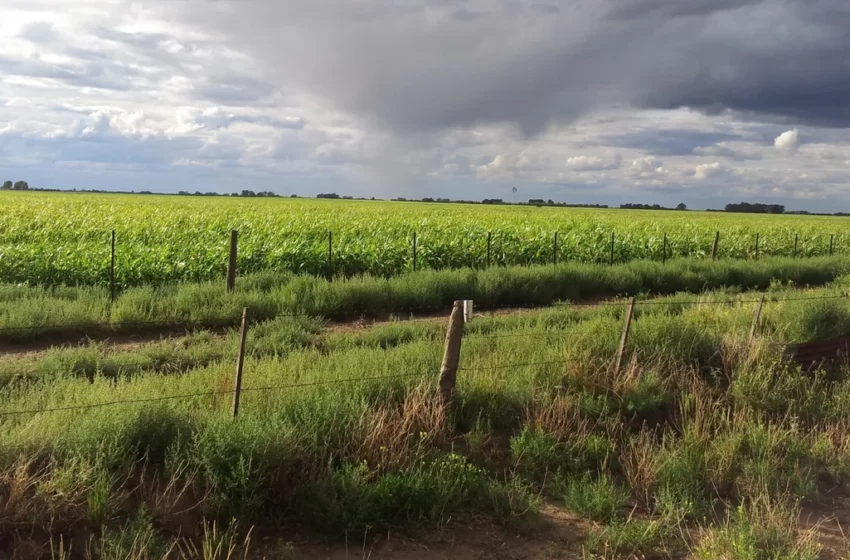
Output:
x,y
118,438
704,444
52,239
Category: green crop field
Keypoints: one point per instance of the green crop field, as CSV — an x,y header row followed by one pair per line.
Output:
x,y
52,238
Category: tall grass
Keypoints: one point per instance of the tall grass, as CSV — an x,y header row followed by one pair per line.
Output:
x,y
690,425
269,295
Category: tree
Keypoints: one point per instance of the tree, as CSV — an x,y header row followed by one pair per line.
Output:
x,y
20,186
681,206
7,186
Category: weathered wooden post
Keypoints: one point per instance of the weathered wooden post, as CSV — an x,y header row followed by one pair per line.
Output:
x,y
714,248
240,362
756,320
451,357
624,337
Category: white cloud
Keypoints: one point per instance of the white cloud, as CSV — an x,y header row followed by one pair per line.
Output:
x,y
788,142
648,166
594,163
709,171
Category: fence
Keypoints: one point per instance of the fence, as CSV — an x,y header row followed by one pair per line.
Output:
x,y
808,355
326,262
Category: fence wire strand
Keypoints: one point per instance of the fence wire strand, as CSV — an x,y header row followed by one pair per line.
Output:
x,y
210,394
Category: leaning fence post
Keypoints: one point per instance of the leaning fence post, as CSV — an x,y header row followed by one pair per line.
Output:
x,y
414,251
240,361
612,249
714,248
624,338
796,237
451,357
231,265
664,250
112,269
756,320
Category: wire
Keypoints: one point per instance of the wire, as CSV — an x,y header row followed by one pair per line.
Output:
x,y
564,334
508,366
333,382
113,403
207,394
211,323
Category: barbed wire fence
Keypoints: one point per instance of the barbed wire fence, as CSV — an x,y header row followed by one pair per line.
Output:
x,y
454,336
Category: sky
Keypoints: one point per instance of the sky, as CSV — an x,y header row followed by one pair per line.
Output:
x,y
583,101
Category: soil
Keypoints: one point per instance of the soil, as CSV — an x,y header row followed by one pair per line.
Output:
x,y
558,535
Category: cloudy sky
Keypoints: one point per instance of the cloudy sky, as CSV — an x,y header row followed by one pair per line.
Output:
x,y
611,101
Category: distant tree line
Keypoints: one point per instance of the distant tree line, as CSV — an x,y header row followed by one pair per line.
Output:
x,y
632,206
16,186
755,208
743,207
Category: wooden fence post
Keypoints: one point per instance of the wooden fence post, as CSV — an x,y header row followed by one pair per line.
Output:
x,y
831,243
451,357
555,250
240,362
624,338
612,249
664,250
414,251
796,237
714,248
112,269
757,246
756,320
231,265
330,255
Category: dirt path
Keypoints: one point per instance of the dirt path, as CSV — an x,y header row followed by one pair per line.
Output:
x,y
558,535
118,342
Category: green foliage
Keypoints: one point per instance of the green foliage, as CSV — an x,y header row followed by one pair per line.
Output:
x,y
354,498
64,238
600,499
761,530
633,539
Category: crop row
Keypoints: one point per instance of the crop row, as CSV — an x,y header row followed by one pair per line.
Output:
x,y
66,239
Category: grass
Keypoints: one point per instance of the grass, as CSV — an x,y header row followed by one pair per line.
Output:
x,y
26,312
693,436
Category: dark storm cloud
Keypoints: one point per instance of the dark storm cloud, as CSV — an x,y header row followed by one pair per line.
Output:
x,y
420,65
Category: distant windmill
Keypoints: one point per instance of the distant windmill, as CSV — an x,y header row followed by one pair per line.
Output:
x,y
513,196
